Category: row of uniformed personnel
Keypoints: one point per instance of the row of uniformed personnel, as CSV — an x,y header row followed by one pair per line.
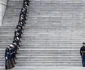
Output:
x,y
11,50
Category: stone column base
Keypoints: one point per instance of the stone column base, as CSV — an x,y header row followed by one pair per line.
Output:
x,y
3,4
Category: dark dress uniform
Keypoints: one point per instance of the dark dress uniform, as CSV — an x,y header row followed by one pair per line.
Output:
x,y
22,17
13,55
18,33
19,27
22,21
15,48
25,9
82,53
17,42
26,3
23,14
7,59
17,36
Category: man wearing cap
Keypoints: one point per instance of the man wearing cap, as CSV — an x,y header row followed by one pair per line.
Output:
x,y
13,53
82,53
18,33
21,21
7,58
17,41
22,14
17,36
15,48
19,26
19,30
26,3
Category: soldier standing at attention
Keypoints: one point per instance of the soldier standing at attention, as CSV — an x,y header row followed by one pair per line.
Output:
x,y
8,58
82,53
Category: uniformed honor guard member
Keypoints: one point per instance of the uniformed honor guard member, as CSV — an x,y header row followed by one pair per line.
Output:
x,y
8,62
17,41
15,48
82,53
13,53
26,3
7,59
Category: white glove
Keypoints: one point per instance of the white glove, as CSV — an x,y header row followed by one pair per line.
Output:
x,y
6,58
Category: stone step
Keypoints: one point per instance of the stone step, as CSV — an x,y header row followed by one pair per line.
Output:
x,y
41,27
46,63
4,44
47,68
61,51
38,45
49,64
44,68
52,37
47,55
44,60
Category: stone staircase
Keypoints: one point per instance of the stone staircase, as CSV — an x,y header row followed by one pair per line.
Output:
x,y
52,37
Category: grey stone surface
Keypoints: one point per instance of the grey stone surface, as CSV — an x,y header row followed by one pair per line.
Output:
x,y
52,37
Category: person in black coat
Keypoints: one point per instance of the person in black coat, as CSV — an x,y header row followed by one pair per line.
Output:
x,y
7,58
22,14
18,33
22,17
82,53
17,41
15,48
13,53
26,3
25,10
19,26
22,22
